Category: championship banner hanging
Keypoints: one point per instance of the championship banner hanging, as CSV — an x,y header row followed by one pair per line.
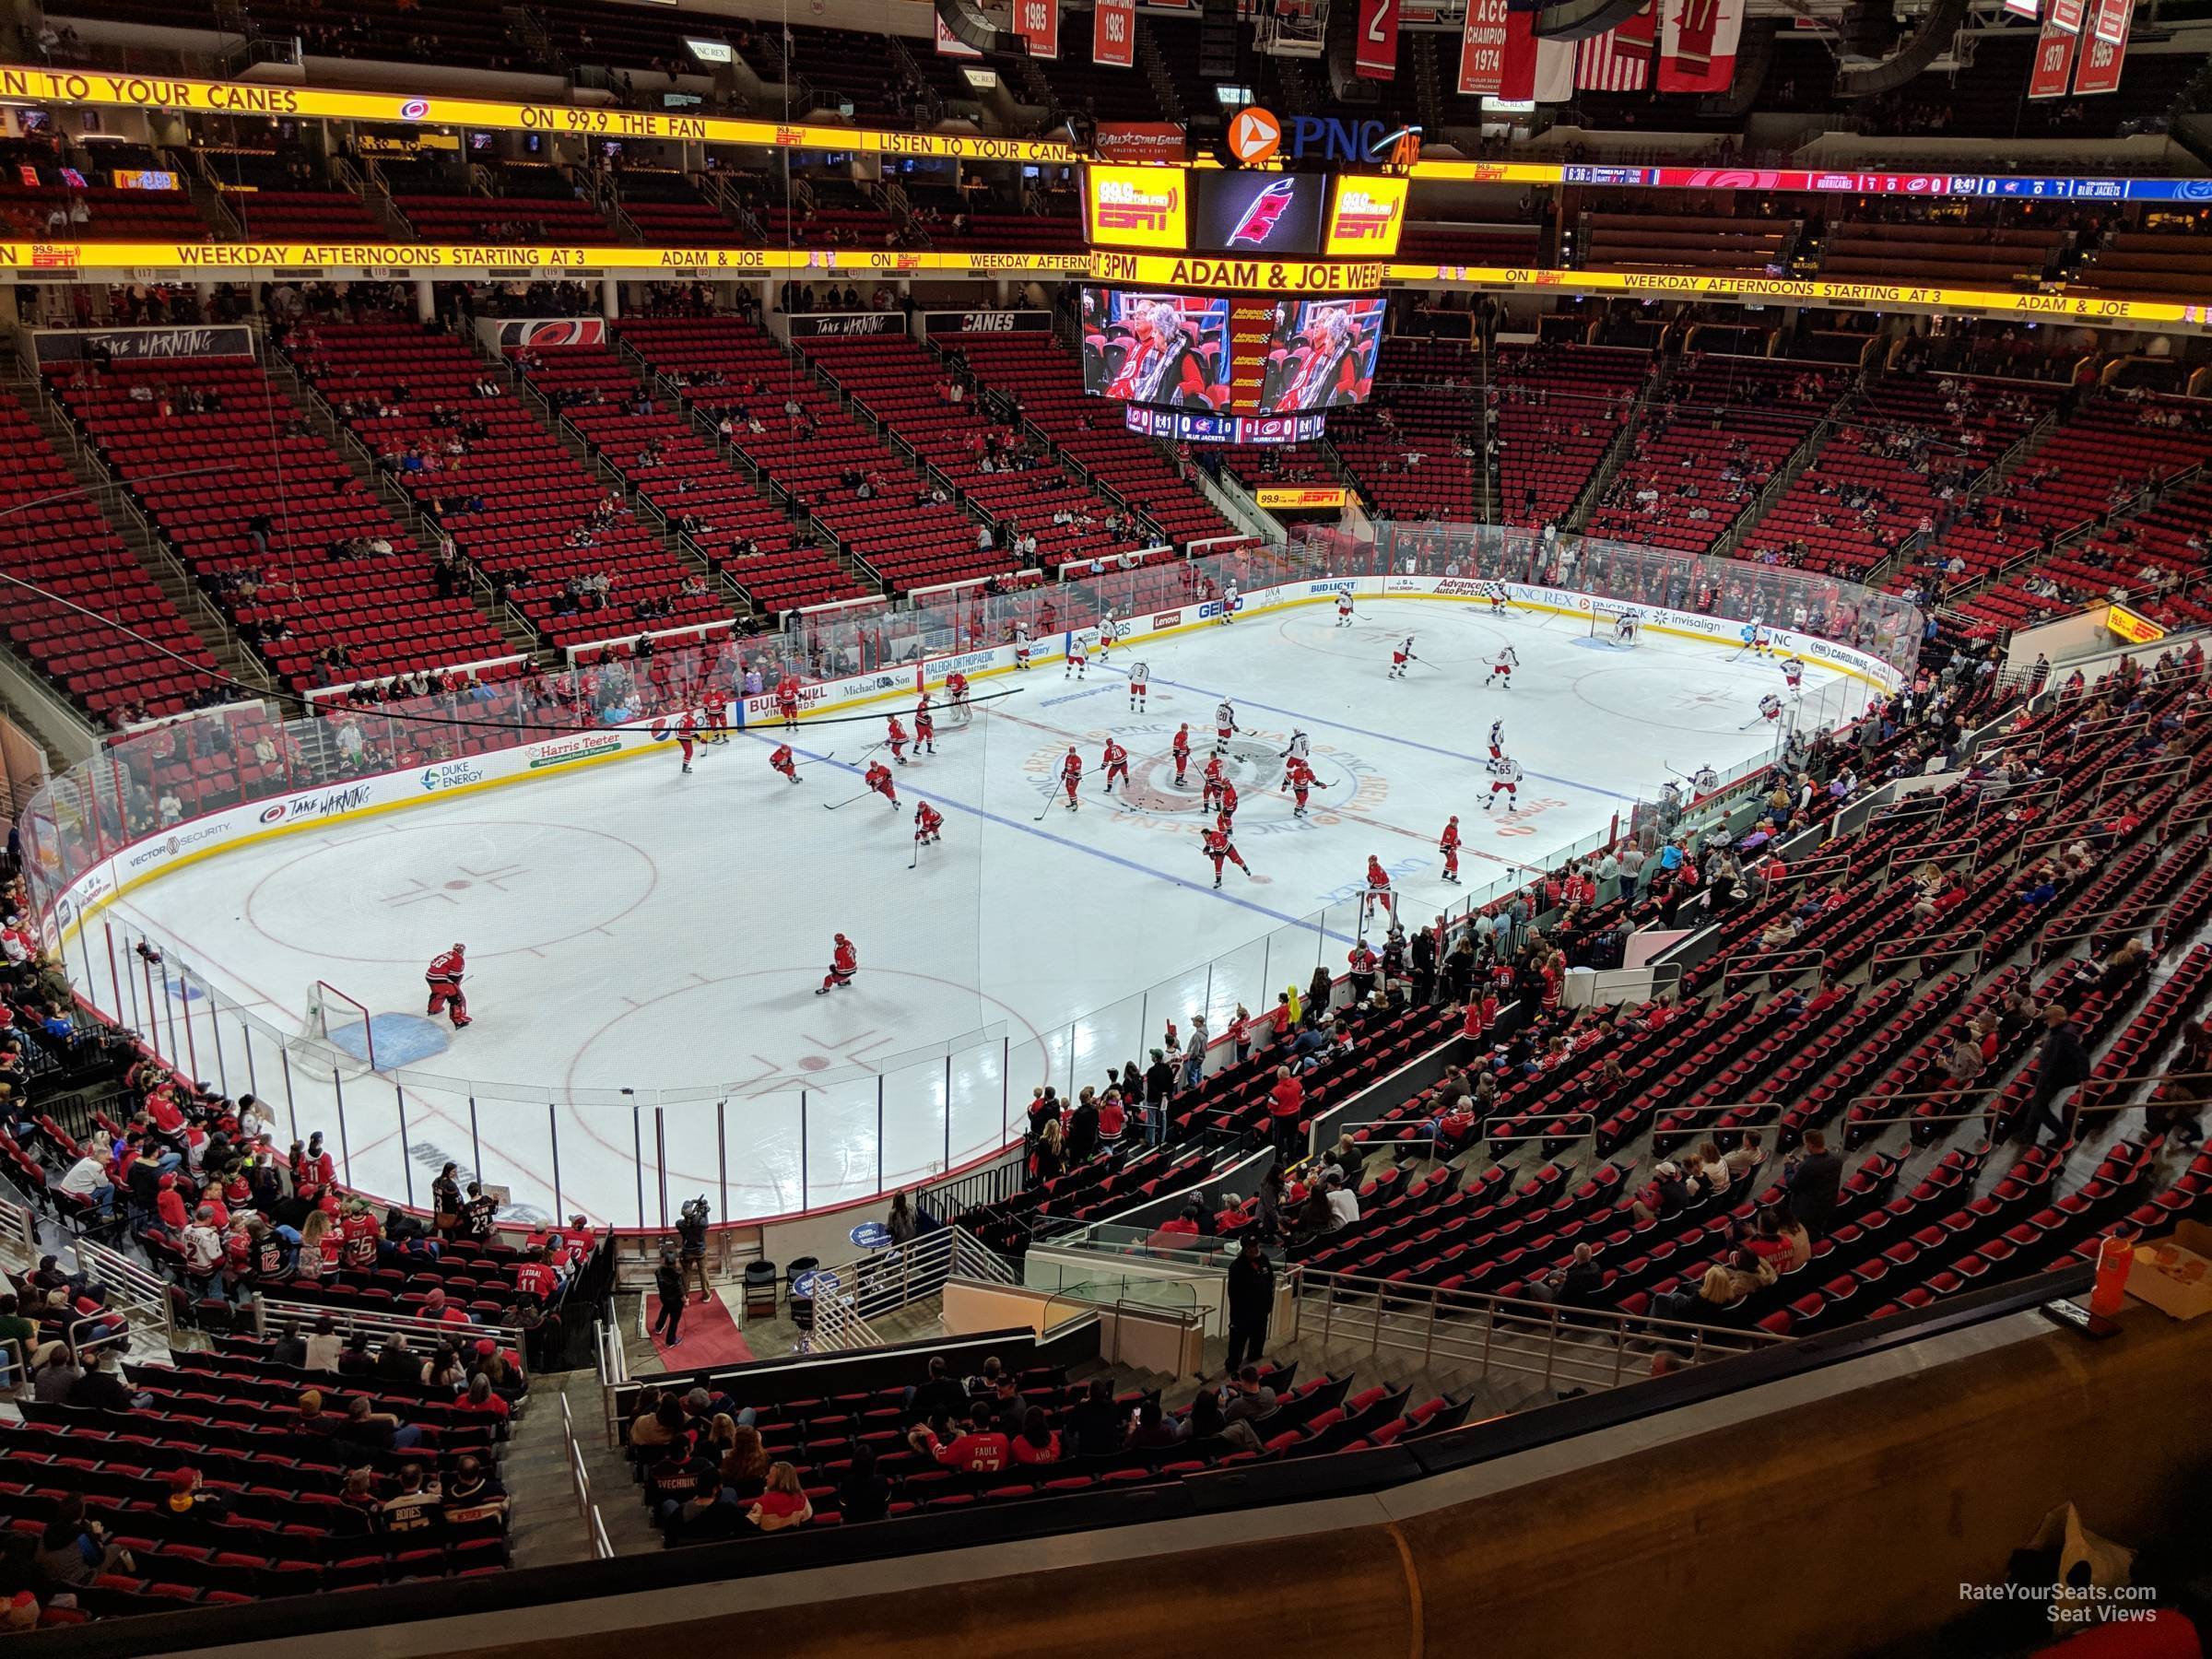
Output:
x,y
1038,23
1377,55
1482,49
1113,34
2053,59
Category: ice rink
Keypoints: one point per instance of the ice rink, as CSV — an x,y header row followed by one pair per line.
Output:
x,y
645,946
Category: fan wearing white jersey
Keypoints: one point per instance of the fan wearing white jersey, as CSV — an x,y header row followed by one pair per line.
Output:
x,y
1505,773
1344,610
1078,657
1140,677
1301,748
1502,666
1225,727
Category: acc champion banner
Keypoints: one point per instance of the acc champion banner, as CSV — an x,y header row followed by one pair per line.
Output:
x,y
29,84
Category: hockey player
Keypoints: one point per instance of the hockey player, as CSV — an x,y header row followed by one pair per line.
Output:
x,y
1071,777
1755,638
1793,675
1225,727
1216,780
687,733
1502,666
1505,773
1078,657
1301,780
783,761
1229,801
443,976
955,697
1108,629
1294,755
1497,738
1344,610
1115,758
1377,896
895,738
1495,592
929,824
1021,646
925,727
845,962
1704,781
1140,677
1769,709
1181,752
1400,655
787,701
879,778
1448,845
1229,602
1217,847
713,724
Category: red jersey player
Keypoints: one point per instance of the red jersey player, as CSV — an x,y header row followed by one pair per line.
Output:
x,y
1115,758
929,823
1181,752
782,761
687,733
955,693
879,778
1301,780
1216,780
1229,801
787,701
896,738
1448,845
1071,777
845,962
1218,847
925,727
444,977
1377,896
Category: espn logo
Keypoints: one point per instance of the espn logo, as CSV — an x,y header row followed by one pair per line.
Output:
x,y
1362,215
48,256
1126,206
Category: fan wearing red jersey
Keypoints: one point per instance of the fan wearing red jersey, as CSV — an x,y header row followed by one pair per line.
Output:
x,y
1115,758
783,761
845,962
443,976
1448,845
1071,778
1218,847
879,778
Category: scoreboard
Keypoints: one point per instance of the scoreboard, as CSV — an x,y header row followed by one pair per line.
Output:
x,y
1238,365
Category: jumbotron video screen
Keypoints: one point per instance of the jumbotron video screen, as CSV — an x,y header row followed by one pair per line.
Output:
x,y
1238,354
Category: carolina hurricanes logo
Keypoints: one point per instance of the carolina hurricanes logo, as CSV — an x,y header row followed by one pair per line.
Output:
x,y
1261,213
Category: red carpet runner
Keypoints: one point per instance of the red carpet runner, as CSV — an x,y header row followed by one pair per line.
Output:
x,y
710,1336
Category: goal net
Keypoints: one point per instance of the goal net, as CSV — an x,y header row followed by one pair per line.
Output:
x,y
337,1029
1616,624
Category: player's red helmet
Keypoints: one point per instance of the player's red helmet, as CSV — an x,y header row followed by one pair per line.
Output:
x,y
839,938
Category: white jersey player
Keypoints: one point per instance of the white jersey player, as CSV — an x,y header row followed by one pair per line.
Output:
x,y
1225,727
1625,626
1344,610
1793,675
1021,646
1495,592
1400,655
1229,602
1078,657
1769,708
1502,666
1705,779
1109,630
1505,774
1497,739
1757,640
1140,677
1301,748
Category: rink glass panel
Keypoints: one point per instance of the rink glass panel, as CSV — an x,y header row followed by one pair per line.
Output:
x,y
841,1136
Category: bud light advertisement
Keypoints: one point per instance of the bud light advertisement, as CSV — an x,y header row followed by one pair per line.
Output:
x,y
1259,214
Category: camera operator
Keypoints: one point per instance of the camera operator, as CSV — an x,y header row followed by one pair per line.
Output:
x,y
691,1231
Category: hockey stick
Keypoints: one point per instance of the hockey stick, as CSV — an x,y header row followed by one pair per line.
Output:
x,y
1043,810
917,857
833,806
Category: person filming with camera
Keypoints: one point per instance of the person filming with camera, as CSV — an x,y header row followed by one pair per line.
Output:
x,y
691,1233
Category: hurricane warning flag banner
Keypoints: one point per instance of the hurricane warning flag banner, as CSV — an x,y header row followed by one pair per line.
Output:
x,y
1620,59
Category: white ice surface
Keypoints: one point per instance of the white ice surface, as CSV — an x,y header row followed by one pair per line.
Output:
x,y
632,928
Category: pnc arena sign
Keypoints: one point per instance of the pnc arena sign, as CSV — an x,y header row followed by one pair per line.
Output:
x,y
1255,135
